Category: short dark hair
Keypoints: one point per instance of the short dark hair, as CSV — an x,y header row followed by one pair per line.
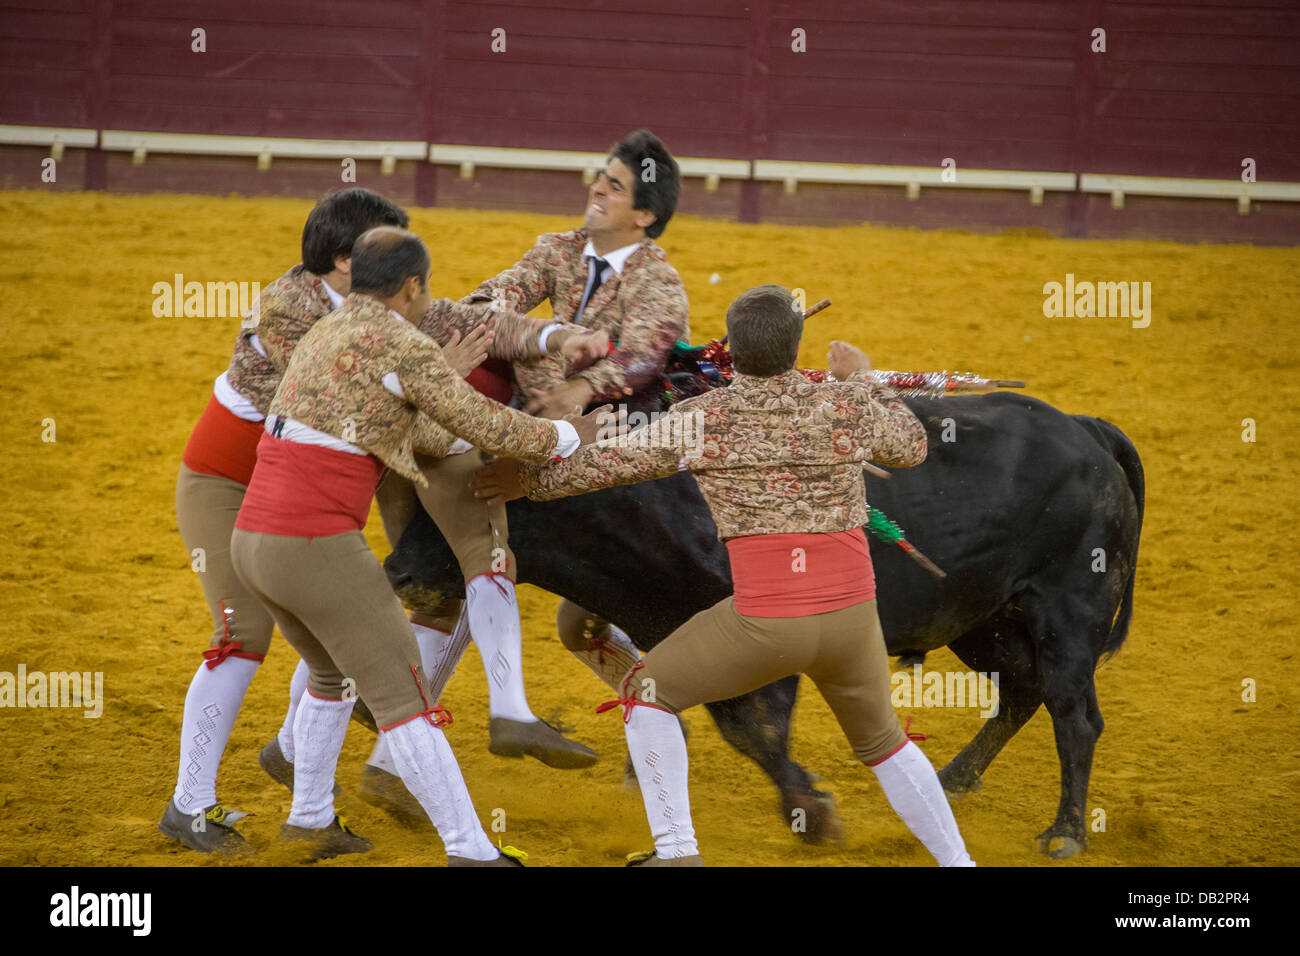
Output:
x,y
764,326
336,222
384,258
658,194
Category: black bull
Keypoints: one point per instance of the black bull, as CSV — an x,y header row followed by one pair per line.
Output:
x,y
1035,516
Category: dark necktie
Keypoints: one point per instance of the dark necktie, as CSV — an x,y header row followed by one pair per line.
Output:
x,y
593,285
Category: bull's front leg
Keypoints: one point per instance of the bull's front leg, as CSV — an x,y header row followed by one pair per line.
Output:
x,y
758,725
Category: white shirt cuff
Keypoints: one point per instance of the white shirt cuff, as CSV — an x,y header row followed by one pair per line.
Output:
x,y
568,441
546,334
459,447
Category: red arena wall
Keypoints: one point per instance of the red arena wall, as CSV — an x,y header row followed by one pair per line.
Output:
x,y
1182,90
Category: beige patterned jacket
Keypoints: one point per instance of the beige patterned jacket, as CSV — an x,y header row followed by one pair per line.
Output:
x,y
292,304
644,310
334,383
771,455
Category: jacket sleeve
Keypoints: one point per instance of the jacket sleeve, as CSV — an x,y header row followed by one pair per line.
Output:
x,y
655,318
522,287
280,324
884,426
652,451
433,386
516,336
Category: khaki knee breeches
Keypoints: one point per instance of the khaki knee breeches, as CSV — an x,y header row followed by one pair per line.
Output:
x,y
206,507
720,653
333,603
477,532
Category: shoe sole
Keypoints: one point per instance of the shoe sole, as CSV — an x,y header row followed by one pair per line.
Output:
x,y
184,838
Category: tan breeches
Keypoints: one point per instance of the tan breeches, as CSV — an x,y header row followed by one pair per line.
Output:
x,y
333,603
720,653
206,507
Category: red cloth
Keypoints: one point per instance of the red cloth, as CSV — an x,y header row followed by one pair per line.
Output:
x,y
306,491
493,378
223,444
794,575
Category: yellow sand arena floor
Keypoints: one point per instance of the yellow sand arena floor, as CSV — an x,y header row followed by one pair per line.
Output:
x,y
93,575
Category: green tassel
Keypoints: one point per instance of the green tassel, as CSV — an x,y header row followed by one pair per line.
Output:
x,y
883,528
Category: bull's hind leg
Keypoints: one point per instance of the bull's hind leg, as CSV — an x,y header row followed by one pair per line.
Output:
x,y
758,725
1001,648
1066,663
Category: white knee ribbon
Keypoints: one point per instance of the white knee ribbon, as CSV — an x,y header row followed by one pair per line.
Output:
x,y
912,788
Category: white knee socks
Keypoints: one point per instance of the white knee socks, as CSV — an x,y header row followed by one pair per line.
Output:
x,y
658,750
912,788
211,706
433,644
318,732
429,770
297,687
494,622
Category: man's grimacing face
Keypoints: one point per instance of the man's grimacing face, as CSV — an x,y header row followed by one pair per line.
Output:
x,y
610,200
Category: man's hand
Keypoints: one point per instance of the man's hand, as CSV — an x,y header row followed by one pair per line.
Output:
x,y
580,349
467,354
559,401
595,424
845,359
498,482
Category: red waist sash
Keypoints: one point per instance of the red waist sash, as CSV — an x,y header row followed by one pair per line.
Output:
x,y
223,444
794,575
306,491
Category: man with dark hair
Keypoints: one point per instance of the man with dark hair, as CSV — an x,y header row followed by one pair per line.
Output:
x,y
350,404
218,463
610,276
781,470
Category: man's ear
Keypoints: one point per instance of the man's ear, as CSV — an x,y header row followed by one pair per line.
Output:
x,y
343,264
643,218
412,288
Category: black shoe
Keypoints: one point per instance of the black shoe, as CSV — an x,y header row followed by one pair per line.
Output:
x,y
279,769
328,842
209,831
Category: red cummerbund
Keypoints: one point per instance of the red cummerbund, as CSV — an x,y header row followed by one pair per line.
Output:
x,y
306,491
794,575
223,444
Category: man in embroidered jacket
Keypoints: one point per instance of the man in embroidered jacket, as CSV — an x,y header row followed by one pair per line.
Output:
x,y
610,276
779,462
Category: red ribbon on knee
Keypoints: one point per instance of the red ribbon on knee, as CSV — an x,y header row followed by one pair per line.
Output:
x,y
628,701
227,647
907,731
438,716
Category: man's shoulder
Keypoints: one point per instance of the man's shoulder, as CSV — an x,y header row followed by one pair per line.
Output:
x,y
573,239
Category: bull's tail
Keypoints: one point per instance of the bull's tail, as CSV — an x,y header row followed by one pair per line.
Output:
x,y
1126,455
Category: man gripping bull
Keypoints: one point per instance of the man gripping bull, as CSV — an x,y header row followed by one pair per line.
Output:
x,y
610,276
780,466
218,462
348,406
